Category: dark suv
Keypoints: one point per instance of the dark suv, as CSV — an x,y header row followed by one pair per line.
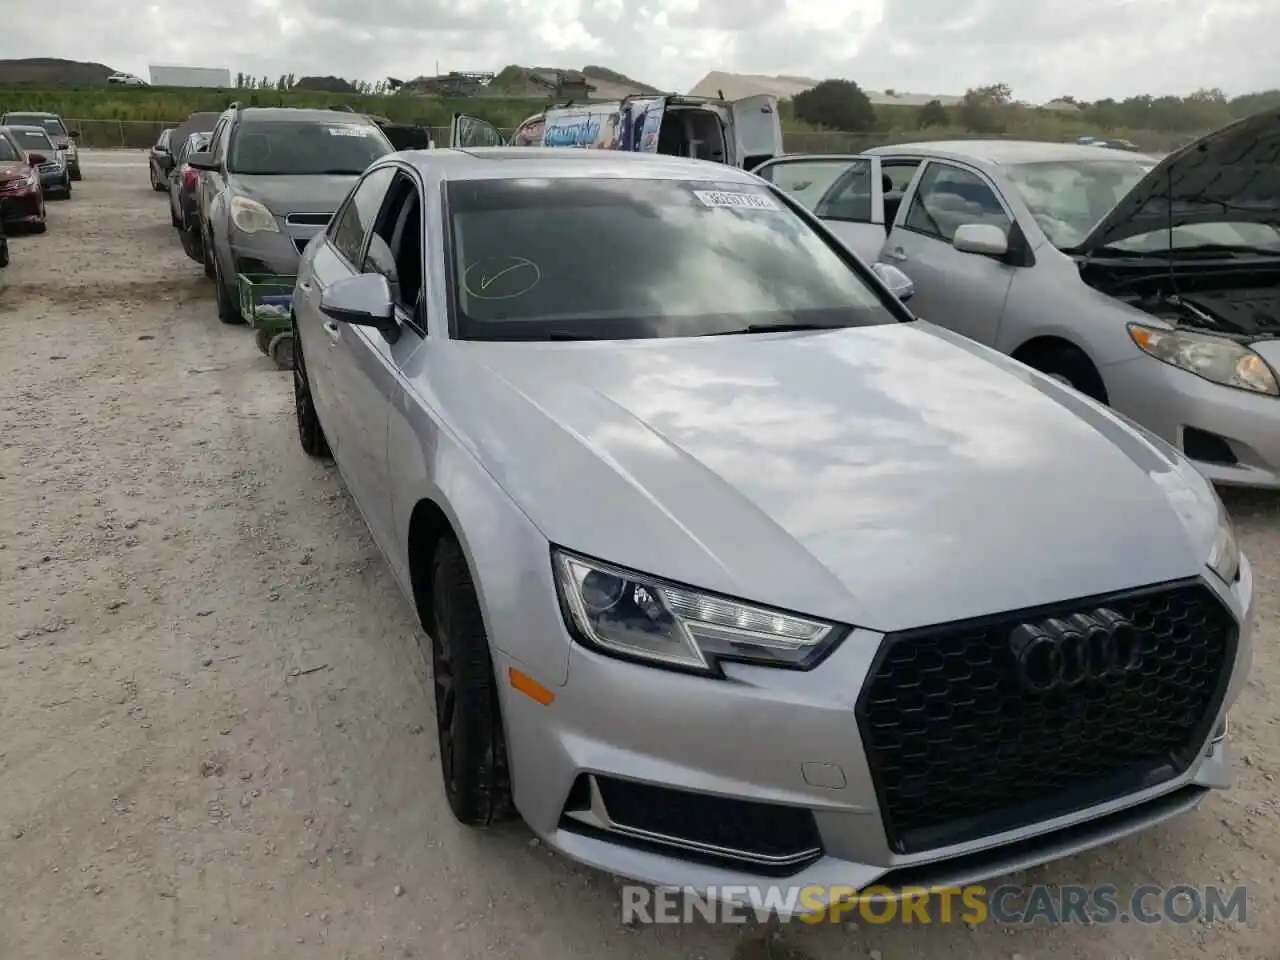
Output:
x,y
270,180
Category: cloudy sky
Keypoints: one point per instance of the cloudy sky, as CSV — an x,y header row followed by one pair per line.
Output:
x,y
1088,48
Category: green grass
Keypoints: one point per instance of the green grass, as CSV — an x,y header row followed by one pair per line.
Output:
x,y
123,116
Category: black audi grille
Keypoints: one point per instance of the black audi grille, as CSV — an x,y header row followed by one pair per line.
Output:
x,y
959,747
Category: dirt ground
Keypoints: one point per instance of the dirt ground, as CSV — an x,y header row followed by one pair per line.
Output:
x,y
215,737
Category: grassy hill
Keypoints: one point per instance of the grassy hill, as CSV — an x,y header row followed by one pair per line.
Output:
x,y
44,72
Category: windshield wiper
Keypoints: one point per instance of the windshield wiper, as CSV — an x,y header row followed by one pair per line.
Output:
x,y
776,328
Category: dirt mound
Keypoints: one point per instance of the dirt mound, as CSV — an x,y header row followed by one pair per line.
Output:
x,y
328,84
50,72
597,83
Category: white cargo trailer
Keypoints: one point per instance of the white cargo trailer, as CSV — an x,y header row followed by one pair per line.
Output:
x,y
172,76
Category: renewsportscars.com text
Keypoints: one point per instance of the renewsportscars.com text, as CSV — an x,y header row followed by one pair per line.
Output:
x,y
1008,904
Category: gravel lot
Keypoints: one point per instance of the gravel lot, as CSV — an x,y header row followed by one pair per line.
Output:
x,y
215,739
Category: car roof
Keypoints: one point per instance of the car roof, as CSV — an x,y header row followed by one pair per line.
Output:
x,y
31,113
298,113
1000,152
513,163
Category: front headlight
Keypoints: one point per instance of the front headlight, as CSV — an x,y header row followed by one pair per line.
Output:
x,y
641,617
1224,557
1213,358
250,216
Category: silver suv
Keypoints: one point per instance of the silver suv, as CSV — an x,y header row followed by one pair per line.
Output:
x,y
271,179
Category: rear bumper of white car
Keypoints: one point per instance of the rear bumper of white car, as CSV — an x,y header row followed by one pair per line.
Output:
x,y
766,778
1232,435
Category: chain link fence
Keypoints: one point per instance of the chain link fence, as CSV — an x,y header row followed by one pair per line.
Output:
x,y
141,134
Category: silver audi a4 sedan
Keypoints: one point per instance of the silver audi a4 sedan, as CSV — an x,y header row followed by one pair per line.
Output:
x,y
731,569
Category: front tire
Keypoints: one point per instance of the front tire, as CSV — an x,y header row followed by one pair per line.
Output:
x,y
473,749
1071,366
75,173
310,432
228,306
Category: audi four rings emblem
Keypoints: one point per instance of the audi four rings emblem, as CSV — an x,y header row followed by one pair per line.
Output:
x,y
1065,652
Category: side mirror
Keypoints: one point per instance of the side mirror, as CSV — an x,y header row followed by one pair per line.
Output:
x,y
363,301
985,239
202,161
75,134
35,159
897,281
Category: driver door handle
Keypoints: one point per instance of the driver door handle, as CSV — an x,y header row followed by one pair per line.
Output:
x,y
333,330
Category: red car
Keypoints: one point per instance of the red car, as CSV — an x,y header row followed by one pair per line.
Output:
x,y
21,198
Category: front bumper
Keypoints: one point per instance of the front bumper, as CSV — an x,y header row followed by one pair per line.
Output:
x,y
789,740
263,253
25,207
1231,435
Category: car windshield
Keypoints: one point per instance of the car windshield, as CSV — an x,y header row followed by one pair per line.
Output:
x,y
1068,198
300,147
7,151
52,125
32,140
623,259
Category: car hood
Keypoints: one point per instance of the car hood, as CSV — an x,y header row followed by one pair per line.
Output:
x,y
1231,175
304,194
887,476
12,169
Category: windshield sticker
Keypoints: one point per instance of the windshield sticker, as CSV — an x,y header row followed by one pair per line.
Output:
x,y
501,278
350,131
745,201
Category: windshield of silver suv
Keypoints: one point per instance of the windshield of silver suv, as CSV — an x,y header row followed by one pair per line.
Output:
x,y
305,147
624,259
51,125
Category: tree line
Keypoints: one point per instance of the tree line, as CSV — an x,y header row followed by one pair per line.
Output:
x,y
992,110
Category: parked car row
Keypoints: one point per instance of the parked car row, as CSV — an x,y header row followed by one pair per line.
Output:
x,y
37,163
728,565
